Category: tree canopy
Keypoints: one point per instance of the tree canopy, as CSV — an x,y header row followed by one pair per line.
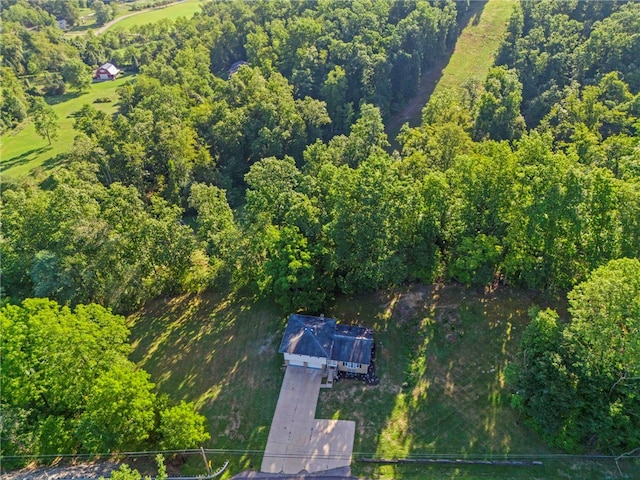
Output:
x,y
578,382
68,387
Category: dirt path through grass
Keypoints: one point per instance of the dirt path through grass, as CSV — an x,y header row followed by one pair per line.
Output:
x,y
483,27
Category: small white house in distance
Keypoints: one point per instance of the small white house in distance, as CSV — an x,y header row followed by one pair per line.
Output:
x,y
320,343
108,71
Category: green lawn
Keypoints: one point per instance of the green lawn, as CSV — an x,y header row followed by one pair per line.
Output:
x,y
184,9
483,27
23,149
220,352
88,21
477,45
441,357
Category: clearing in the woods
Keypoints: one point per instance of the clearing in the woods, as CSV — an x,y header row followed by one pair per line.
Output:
x,y
483,28
441,356
23,150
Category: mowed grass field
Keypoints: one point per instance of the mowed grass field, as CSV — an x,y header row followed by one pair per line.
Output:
x,y
183,9
482,29
221,353
477,45
441,355
23,150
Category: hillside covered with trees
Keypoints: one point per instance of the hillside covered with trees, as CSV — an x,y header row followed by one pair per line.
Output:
x,y
280,180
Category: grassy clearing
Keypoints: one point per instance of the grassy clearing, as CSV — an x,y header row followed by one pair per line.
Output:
x,y
221,353
24,150
441,358
88,19
171,12
477,45
442,352
482,28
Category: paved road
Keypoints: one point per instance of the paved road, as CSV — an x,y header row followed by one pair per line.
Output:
x,y
77,472
298,442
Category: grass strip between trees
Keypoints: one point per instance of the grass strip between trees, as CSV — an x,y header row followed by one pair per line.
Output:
x,y
477,45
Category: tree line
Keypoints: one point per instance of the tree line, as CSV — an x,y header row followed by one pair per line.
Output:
x,y
577,382
538,212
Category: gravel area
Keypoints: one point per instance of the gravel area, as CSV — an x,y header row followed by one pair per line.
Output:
x,y
87,471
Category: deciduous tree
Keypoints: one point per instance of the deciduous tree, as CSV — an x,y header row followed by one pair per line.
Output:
x,y
76,74
499,115
181,428
578,384
45,119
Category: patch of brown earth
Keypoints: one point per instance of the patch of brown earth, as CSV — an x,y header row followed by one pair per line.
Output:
x,y
407,305
448,318
233,427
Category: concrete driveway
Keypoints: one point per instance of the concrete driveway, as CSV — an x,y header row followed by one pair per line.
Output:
x,y
299,442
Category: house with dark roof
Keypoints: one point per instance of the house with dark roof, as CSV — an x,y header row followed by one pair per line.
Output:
x,y
235,67
321,343
108,71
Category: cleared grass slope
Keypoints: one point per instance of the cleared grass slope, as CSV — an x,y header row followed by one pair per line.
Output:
x,y
477,45
22,150
185,8
483,28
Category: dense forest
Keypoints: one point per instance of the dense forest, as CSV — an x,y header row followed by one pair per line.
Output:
x,y
280,179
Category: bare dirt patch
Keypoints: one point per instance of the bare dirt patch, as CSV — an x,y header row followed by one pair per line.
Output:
x,y
233,428
408,305
267,347
448,318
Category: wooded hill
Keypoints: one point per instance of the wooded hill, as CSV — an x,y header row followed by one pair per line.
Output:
x,y
279,179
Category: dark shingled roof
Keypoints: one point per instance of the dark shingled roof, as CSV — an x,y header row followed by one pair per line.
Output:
x,y
234,68
352,344
322,337
305,335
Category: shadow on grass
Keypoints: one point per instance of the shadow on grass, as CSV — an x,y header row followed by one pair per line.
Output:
x,y
441,356
54,162
23,158
476,14
442,352
411,111
219,351
76,29
55,100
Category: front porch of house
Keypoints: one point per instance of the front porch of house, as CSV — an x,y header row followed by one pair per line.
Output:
x,y
333,370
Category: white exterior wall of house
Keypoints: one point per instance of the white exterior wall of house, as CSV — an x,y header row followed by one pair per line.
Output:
x,y
318,363
106,72
353,368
